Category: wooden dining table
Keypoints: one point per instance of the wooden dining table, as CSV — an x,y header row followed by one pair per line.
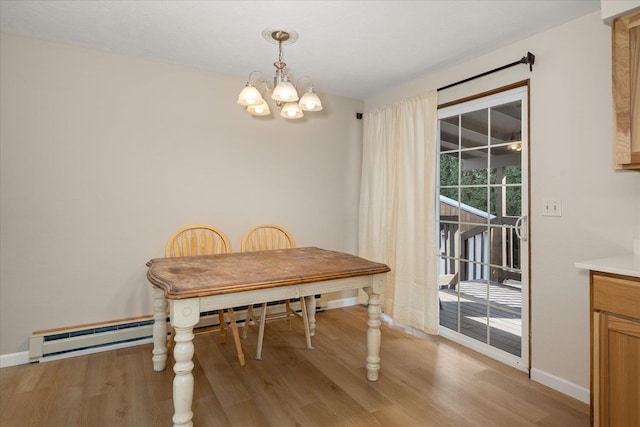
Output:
x,y
192,285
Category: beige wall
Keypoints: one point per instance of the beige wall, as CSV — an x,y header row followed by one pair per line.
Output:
x,y
104,156
570,149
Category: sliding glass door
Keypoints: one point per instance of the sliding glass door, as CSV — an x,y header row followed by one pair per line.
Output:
x,y
483,206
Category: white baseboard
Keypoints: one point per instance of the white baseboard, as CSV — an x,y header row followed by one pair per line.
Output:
x,y
14,359
561,385
340,303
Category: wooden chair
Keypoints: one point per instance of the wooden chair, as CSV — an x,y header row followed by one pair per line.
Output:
x,y
270,237
194,240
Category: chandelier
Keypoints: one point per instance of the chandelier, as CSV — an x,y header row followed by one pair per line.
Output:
x,y
283,92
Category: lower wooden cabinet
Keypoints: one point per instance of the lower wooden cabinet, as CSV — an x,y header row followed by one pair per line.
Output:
x,y
615,381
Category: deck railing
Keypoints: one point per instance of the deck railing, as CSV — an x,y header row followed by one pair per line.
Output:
x,y
486,252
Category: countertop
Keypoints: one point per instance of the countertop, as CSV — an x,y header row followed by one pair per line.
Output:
x,y
626,265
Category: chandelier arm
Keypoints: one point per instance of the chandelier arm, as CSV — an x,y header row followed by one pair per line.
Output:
x,y
262,80
256,81
303,78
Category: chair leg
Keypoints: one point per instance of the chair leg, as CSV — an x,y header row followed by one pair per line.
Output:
x,y
247,321
172,340
223,326
236,335
288,311
263,320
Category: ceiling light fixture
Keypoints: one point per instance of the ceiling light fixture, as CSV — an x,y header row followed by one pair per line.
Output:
x,y
284,93
516,146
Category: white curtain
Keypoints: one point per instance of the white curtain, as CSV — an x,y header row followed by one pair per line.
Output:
x,y
397,206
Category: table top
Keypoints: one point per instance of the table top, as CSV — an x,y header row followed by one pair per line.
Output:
x,y
190,277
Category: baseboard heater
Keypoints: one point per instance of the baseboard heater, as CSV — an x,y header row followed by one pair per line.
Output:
x,y
65,341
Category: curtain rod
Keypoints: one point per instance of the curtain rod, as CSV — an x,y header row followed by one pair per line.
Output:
x,y
529,59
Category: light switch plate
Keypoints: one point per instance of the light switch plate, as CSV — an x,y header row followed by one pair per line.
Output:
x,y
551,207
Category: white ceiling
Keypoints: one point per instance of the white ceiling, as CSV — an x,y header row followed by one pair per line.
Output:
x,y
352,48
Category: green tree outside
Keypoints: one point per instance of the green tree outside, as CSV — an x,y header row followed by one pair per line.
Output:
x,y
473,185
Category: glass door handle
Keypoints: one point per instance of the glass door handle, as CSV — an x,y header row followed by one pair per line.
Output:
x,y
521,228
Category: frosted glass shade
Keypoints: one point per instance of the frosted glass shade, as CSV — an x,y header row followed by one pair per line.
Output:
x,y
285,92
259,109
310,101
291,110
250,96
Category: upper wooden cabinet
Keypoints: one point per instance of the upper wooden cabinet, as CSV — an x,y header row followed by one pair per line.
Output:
x,y
626,90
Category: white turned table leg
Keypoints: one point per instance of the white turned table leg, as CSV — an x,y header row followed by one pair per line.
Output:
x,y
373,323
373,336
310,302
159,357
185,314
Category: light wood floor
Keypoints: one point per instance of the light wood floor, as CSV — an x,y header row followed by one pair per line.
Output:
x,y
424,381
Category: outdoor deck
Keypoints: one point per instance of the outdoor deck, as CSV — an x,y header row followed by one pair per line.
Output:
x,y
505,313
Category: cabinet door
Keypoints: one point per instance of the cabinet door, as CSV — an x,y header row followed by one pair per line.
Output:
x,y
617,371
626,90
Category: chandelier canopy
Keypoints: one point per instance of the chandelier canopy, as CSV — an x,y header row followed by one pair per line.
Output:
x,y
283,91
